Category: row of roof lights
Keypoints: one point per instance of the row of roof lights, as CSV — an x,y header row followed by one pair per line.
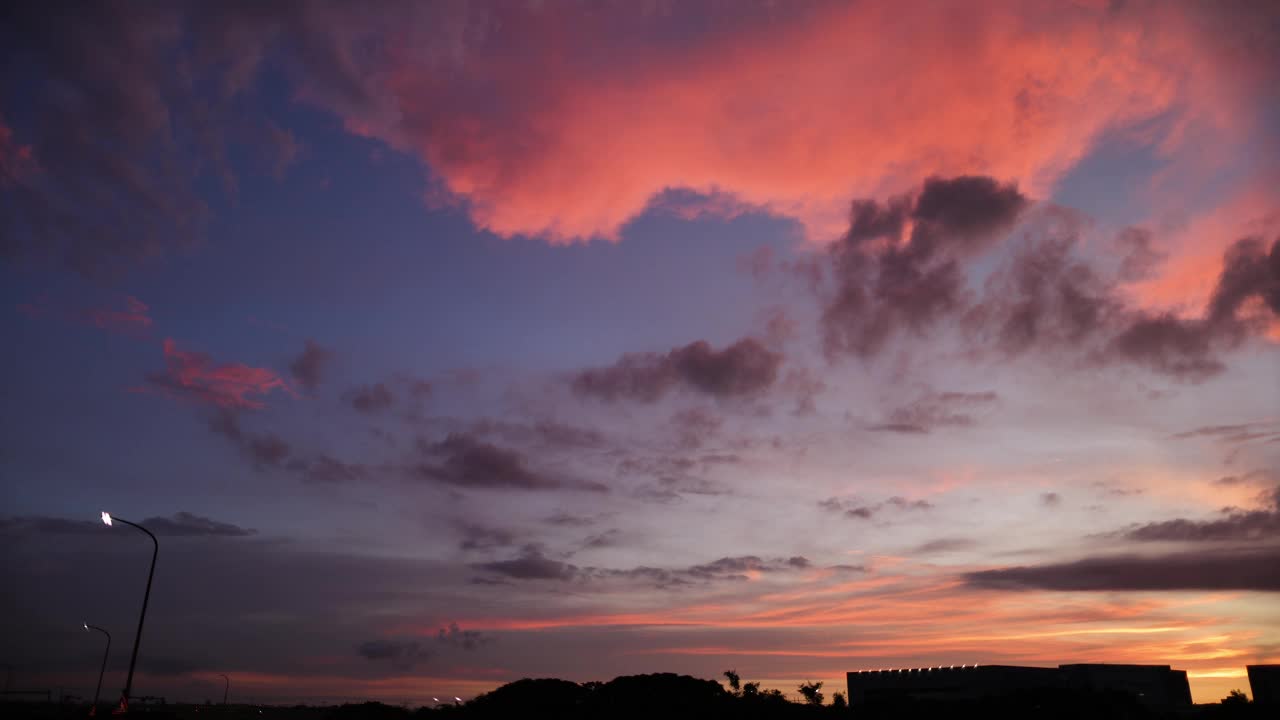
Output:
x,y
911,670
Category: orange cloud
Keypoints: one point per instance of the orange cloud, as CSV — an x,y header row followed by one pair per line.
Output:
x,y
799,114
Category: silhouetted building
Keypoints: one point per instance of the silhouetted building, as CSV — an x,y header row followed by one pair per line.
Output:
x,y
947,683
1152,684
1157,685
1264,683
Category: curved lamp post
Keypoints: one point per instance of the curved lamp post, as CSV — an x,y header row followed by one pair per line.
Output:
x,y
225,688
105,654
108,519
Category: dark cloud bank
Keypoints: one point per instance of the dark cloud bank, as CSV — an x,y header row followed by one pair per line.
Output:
x,y
1044,298
532,564
180,524
744,368
1248,569
465,461
1240,550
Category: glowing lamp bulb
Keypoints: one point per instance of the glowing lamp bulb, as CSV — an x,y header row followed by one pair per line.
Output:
x,y
106,518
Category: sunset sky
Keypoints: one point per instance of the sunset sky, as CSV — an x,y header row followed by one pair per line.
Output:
x,y
444,344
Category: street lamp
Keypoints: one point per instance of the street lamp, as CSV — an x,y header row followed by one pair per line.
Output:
x,y
137,638
225,688
105,653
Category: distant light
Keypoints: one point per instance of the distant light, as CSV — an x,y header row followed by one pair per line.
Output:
x,y
435,699
106,517
455,697
86,626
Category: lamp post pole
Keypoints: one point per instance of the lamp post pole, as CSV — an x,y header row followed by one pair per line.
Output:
x,y
103,669
225,688
137,638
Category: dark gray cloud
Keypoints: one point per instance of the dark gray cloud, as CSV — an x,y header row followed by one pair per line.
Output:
x,y
464,461
117,177
883,285
1238,569
455,637
30,525
309,367
1250,477
550,434
325,469
674,489
945,545
266,450
731,569
185,524
934,410
402,653
695,427
1188,348
261,449
858,510
1050,499
137,108
1140,258
673,477
531,564
1043,299
564,519
1233,434
480,537
180,524
255,601
609,538
1046,299
371,398
744,368
1233,525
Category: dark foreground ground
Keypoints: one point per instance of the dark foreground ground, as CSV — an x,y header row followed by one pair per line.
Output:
x,y
674,697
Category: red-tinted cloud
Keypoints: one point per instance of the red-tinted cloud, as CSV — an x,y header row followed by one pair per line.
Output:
x,y
797,113
190,375
126,316
546,120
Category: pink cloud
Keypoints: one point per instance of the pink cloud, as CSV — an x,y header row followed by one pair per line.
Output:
x,y
125,315
796,115
194,376
133,319
15,159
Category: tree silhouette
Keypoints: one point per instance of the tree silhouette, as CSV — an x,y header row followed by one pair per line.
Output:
x,y
735,682
1235,697
838,701
812,692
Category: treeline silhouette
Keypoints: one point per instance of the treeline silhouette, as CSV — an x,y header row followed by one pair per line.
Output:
x,y
667,696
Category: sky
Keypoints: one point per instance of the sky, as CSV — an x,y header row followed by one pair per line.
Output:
x,y
447,344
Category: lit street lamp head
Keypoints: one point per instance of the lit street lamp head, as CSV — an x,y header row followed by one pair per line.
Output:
x,y
106,517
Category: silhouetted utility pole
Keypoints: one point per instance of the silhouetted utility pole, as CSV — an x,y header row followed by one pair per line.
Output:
x,y
103,669
225,688
137,638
